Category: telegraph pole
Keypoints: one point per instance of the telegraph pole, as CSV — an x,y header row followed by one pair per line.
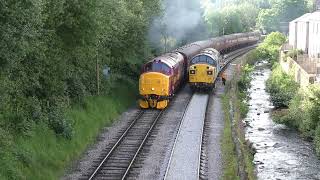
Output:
x,y
97,70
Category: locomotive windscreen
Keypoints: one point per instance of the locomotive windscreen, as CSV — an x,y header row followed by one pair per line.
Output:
x,y
204,59
157,66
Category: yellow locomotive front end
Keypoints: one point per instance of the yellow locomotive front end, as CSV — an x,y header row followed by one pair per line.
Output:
x,y
154,89
202,76
203,70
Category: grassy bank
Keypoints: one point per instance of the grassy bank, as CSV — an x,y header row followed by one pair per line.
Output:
x,y
228,147
237,156
44,155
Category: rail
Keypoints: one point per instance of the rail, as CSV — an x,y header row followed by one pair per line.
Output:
x,y
130,143
233,55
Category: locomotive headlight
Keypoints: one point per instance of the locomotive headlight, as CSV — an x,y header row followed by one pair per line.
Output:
x,y
209,72
192,72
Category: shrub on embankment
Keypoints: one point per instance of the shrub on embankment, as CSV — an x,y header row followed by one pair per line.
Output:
x,y
269,48
243,84
303,113
281,87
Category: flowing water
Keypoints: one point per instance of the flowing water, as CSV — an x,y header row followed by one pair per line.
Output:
x,y
280,152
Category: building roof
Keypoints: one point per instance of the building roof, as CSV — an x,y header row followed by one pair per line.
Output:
x,y
301,18
315,16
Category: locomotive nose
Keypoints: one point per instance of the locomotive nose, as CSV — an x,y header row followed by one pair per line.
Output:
x,y
153,83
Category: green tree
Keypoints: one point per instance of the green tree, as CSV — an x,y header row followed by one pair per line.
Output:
x,y
280,11
268,20
50,50
232,19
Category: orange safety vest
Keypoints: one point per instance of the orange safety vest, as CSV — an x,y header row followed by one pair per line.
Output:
x,y
223,75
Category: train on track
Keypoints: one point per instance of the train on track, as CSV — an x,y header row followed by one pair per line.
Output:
x,y
162,76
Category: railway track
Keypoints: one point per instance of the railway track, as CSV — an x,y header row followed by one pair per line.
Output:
x,y
233,55
117,163
120,158
189,155
203,167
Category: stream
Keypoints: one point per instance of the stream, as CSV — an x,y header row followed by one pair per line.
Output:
x,y
281,153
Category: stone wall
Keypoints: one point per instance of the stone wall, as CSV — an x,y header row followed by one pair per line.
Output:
x,y
300,75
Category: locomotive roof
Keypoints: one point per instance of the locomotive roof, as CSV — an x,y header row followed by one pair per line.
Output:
x,y
170,59
210,51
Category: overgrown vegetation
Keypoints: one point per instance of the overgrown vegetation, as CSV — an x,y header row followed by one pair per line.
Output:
x,y
295,106
294,53
43,155
303,112
243,85
228,147
51,55
237,96
281,87
269,48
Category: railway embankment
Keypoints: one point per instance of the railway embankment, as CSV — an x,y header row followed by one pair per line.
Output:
x,y
45,156
237,156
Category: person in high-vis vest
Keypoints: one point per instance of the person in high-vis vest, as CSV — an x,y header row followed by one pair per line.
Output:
x,y
223,77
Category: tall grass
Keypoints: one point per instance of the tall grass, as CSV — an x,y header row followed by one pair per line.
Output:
x,y
230,164
44,155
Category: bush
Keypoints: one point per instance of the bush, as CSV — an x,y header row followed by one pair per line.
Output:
x,y
269,49
294,53
317,140
304,114
281,87
59,123
245,79
243,85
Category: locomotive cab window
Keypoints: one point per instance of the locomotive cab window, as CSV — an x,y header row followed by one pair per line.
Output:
x,y
157,66
204,59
